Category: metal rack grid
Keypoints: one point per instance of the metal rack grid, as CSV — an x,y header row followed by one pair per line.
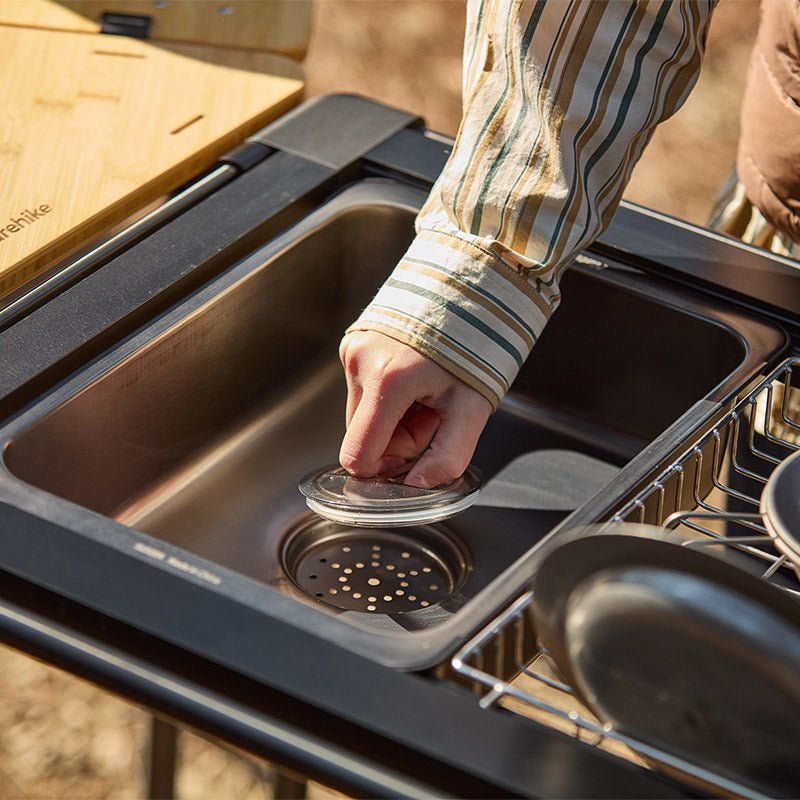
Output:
x,y
712,492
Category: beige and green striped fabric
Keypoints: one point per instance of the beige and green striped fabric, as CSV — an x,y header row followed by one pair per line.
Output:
x,y
560,98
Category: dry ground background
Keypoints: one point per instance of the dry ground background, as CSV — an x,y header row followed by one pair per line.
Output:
x,y
60,737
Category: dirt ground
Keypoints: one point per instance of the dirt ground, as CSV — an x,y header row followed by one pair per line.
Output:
x,y
62,738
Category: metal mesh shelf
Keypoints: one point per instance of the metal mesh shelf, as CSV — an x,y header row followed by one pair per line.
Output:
x,y
711,491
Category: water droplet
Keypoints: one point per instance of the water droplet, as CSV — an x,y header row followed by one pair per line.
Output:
x,y
370,608
373,582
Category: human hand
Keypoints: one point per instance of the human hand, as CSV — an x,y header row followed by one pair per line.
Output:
x,y
399,403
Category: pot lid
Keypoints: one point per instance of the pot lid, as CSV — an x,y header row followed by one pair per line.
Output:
x,y
780,507
335,494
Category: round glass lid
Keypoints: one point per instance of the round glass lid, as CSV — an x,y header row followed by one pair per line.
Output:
x,y
335,494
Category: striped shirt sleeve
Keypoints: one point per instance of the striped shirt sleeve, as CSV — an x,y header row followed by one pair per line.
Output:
x,y
560,97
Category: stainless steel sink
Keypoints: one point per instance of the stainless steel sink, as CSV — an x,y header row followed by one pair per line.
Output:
x,y
195,432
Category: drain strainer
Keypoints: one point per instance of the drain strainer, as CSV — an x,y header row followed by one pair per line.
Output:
x,y
374,570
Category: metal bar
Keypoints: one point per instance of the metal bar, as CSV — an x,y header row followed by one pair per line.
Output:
x,y
735,449
723,541
752,433
738,542
287,787
562,687
490,631
680,516
787,389
78,269
162,751
698,473
777,564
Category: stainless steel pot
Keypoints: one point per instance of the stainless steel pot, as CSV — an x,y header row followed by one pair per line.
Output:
x,y
780,509
673,647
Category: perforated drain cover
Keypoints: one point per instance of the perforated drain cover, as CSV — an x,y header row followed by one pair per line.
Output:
x,y
336,495
373,570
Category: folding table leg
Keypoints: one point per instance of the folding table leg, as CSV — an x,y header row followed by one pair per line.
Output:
x,y
161,757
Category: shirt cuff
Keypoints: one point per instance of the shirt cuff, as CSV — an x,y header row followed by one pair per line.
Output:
x,y
464,307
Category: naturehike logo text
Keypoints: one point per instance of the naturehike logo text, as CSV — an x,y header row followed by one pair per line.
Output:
x,y
25,218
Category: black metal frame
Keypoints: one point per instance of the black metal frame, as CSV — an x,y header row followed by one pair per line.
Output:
x,y
306,704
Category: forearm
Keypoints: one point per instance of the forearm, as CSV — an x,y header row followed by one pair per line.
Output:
x,y
559,101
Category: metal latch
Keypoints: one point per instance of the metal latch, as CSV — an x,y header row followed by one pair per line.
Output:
x,y
135,25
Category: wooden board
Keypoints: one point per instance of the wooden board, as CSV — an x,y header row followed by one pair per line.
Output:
x,y
95,127
279,26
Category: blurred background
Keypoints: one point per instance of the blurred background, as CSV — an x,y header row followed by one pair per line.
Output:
x,y
407,53
60,737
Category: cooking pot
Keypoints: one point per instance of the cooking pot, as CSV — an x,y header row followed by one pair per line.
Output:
x,y
678,649
780,508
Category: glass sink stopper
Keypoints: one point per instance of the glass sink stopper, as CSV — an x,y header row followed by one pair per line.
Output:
x,y
336,495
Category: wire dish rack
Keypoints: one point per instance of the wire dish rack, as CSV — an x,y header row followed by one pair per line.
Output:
x,y
711,492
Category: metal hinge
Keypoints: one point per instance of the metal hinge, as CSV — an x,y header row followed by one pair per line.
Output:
x,y
135,25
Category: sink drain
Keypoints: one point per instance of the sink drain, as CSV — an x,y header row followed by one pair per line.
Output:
x,y
384,571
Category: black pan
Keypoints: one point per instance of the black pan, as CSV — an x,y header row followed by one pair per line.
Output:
x,y
678,649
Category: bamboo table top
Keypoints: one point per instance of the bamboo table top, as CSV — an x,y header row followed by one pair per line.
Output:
x,y
97,126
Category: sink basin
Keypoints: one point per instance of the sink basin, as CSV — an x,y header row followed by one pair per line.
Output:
x,y
185,444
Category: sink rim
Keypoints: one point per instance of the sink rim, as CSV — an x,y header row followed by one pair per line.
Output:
x,y
420,650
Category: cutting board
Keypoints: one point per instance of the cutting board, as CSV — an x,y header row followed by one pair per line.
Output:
x,y
277,26
95,127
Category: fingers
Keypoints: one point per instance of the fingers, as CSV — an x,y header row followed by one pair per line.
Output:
x,y
454,443
399,403
372,426
414,433
354,391
354,394
385,426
